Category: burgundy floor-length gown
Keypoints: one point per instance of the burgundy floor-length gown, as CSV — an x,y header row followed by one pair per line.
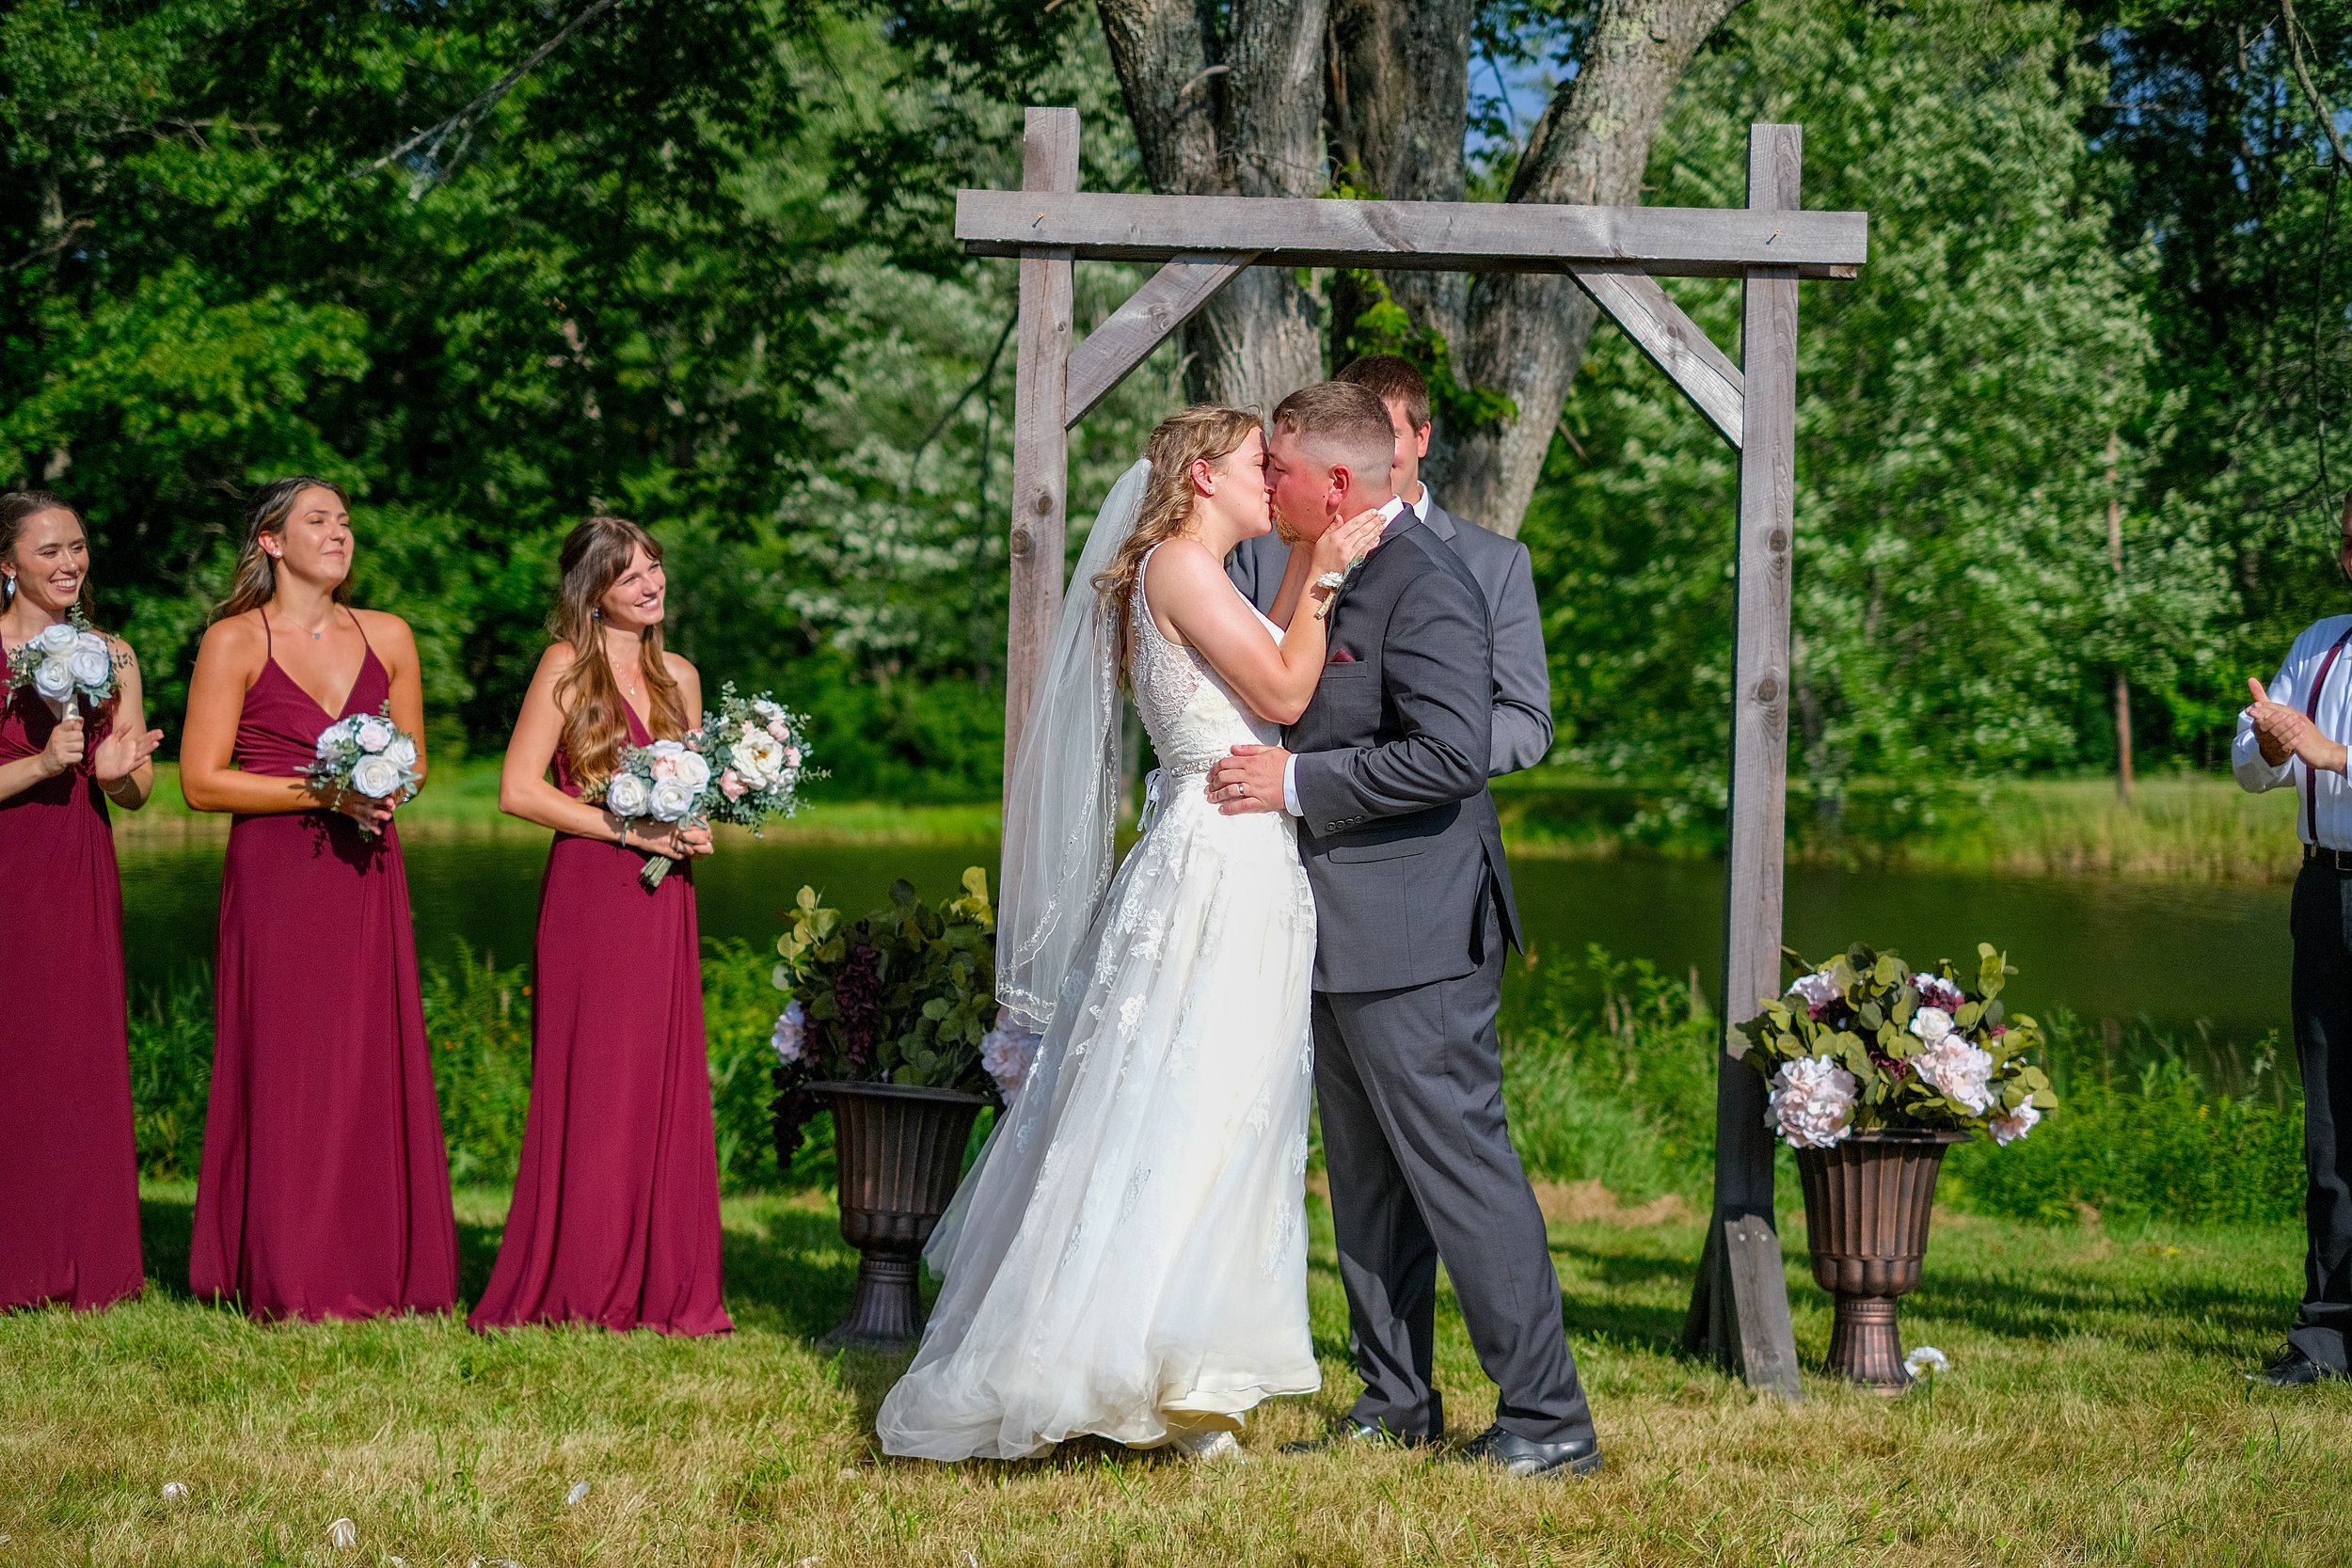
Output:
x,y
325,1187
615,1218
68,1170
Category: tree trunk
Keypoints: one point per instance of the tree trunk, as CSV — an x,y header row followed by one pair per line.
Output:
x,y
1236,111
1528,331
1398,107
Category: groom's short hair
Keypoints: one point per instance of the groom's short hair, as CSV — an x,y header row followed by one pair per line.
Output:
x,y
1344,424
1392,378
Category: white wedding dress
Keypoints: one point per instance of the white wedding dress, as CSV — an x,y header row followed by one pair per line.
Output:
x,y
1131,1259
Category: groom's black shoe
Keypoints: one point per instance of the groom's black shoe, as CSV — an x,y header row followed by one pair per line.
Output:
x,y
1525,1457
2292,1369
1349,1432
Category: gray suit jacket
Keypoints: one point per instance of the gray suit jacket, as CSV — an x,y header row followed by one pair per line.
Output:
x,y
1399,834
1522,719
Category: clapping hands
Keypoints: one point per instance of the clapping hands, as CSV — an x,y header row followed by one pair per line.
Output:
x,y
2282,732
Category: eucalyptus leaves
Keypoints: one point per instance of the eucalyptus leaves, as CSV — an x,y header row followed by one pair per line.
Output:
x,y
1864,1042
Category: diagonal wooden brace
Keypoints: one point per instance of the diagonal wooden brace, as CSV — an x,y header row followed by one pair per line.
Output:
x,y
1130,333
1674,343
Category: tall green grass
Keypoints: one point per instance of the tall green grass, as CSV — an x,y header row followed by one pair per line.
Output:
x,y
1621,1090
1609,1077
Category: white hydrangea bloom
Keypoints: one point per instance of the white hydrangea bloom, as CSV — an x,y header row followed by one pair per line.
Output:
x,y
1811,1104
2009,1128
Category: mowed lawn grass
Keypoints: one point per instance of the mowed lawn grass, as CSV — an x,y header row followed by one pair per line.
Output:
x,y
2094,1413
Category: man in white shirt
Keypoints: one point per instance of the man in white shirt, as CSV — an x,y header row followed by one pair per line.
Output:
x,y
2287,736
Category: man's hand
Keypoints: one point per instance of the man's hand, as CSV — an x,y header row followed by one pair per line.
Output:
x,y
2282,732
1249,780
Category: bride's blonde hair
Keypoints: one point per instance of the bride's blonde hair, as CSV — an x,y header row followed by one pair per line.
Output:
x,y
1202,434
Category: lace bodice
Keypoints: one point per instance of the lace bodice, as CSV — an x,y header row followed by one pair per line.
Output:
x,y
1191,715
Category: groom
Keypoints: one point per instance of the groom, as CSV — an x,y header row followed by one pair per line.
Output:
x,y
1387,773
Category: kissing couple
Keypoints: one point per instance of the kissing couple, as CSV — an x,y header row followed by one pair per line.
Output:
x,y
1318,899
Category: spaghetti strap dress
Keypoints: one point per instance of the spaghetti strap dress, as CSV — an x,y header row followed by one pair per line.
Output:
x,y
615,1218
324,1186
68,1170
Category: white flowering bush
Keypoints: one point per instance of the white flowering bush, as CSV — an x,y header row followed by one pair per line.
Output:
x,y
744,765
365,754
65,664
1864,1042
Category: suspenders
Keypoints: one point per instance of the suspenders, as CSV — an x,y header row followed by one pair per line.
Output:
x,y
2310,711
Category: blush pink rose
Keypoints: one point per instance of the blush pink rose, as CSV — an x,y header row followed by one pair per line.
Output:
x,y
730,787
780,730
664,767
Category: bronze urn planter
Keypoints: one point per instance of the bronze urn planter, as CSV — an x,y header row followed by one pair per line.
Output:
x,y
1867,1201
901,1153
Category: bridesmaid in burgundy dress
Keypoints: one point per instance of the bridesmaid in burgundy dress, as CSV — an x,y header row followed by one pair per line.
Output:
x,y
615,1218
69,1173
325,1187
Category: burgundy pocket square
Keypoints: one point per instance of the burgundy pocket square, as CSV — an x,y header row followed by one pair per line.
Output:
x,y
1341,656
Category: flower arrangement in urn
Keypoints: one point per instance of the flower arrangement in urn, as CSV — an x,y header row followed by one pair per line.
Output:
x,y
904,996
1875,1070
884,1024
1866,1042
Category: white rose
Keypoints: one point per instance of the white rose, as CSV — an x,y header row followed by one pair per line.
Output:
x,y
2008,1129
403,752
757,757
1811,1104
1817,987
374,734
671,801
89,666
1957,1071
693,772
627,796
89,640
377,777
1930,1024
766,709
56,638
53,679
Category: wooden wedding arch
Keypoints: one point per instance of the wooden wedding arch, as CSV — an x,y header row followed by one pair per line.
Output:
x,y
1739,1307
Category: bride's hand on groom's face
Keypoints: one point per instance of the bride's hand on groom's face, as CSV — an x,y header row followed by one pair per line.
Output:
x,y
1248,780
1344,542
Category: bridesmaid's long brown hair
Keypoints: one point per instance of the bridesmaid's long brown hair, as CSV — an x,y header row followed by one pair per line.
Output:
x,y
256,583
596,722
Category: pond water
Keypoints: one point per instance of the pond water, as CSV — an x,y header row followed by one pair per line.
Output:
x,y
2205,961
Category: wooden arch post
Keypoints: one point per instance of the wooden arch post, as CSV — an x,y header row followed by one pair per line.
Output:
x,y
1739,1307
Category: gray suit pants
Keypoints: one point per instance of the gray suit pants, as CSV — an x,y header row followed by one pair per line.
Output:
x,y
1410,1087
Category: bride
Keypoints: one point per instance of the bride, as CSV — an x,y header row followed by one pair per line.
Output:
x,y
1128,1260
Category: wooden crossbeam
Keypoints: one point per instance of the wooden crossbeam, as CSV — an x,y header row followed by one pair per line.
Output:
x,y
1674,343
1463,236
1130,333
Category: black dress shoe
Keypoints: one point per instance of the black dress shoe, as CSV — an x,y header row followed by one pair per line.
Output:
x,y
2292,1369
1349,1432
1525,1457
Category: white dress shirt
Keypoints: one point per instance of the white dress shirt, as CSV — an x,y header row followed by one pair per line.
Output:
x,y
2326,796
1388,514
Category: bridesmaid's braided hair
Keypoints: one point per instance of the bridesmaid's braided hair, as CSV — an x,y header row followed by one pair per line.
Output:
x,y
1202,434
272,504
17,508
595,724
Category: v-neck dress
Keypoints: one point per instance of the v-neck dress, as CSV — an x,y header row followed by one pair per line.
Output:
x,y
324,1186
615,1218
68,1170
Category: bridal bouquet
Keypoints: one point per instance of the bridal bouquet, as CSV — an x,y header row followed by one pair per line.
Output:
x,y
1866,1042
905,995
756,744
365,754
65,663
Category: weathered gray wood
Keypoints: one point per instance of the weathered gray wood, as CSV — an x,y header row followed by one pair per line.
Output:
x,y
1761,1290
1129,334
1759,765
1471,236
1041,441
1673,341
